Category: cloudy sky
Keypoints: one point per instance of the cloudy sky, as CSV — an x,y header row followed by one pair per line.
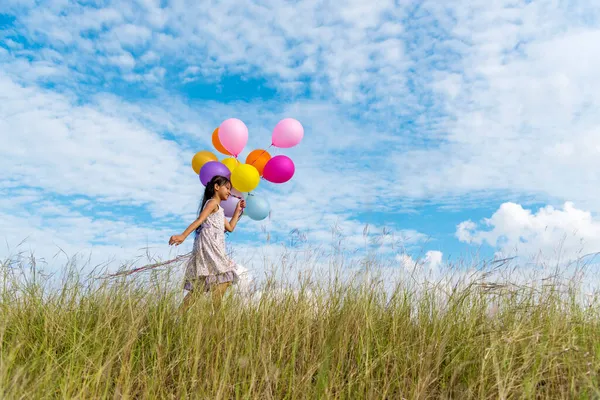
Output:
x,y
454,127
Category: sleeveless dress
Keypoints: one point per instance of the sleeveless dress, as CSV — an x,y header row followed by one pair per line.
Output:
x,y
209,264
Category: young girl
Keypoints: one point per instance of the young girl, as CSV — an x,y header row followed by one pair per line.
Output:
x,y
209,269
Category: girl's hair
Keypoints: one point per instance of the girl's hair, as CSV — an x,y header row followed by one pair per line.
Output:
x,y
209,191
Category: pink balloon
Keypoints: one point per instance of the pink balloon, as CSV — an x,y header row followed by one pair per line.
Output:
x,y
287,133
233,135
279,169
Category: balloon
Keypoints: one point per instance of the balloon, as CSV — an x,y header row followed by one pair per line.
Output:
x,y
229,206
201,158
245,178
287,133
212,169
217,143
258,158
279,169
230,163
233,135
257,208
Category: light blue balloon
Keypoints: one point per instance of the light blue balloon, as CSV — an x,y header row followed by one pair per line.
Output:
x,y
257,208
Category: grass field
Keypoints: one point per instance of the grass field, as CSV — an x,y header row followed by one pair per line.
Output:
x,y
118,339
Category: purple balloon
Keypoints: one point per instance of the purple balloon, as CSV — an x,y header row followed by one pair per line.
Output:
x,y
229,206
212,169
279,169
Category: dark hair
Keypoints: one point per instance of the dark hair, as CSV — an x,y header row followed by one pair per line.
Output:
x,y
209,191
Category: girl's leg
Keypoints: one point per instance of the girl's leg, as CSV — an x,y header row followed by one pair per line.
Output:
x,y
187,301
190,297
217,293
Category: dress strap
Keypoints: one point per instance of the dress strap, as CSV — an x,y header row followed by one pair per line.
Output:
x,y
205,204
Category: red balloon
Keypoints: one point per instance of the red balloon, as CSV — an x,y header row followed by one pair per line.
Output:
x,y
279,169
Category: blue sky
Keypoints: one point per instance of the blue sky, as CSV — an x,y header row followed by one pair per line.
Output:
x,y
463,127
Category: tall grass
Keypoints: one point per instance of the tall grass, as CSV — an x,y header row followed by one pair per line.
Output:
x,y
88,339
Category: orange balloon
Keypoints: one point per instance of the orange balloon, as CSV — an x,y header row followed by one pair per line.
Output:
x,y
217,143
258,159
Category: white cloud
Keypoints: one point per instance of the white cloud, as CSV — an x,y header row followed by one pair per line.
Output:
x,y
549,235
130,35
518,105
124,60
353,51
49,142
55,234
428,268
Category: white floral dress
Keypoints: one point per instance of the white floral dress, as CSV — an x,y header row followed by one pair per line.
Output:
x,y
209,264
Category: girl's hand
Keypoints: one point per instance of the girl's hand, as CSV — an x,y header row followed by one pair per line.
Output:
x,y
176,240
240,205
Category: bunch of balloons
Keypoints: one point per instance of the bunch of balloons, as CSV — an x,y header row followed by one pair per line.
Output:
x,y
229,139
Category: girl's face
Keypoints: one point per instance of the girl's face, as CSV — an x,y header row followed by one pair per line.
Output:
x,y
223,191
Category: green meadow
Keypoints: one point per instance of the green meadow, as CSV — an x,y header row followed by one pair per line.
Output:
x,y
84,337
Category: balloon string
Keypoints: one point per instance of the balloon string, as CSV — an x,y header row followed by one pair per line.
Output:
x,y
239,198
263,152
260,155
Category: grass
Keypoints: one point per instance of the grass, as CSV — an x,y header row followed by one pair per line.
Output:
x,y
88,339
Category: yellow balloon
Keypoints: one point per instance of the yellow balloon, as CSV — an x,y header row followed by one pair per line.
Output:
x,y
230,163
245,178
201,158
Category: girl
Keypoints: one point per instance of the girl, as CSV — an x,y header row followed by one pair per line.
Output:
x,y
209,269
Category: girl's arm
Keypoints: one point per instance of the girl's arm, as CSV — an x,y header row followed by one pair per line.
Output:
x,y
210,208
230,225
